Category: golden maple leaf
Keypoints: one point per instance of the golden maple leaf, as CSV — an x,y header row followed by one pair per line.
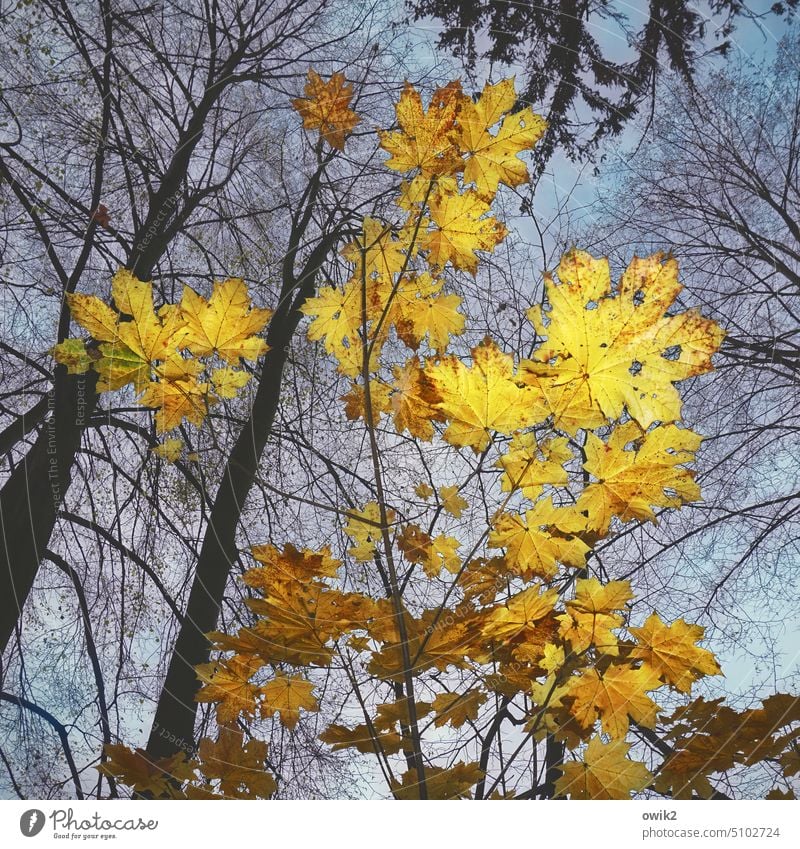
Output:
x,y
426,140
355,400
637,471
364,528
605,773
452,502
529,464
520,613
169,449
591,617
226,323
144,774
227,683
290,565
286,695
537,542
462,227
457,708
671,652
377,253
415,400
452,783
619,693
619,350
177,400
239,766
362,739
493,158
482,398
326,107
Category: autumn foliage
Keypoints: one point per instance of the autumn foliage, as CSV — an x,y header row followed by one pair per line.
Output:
x,y
487,626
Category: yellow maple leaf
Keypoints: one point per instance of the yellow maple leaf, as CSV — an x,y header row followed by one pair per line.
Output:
x,y
227,683
637,471
435,316
426,140
378,253
620,346
604,773
169,449
457,708
493,158
365,533
291,564
355,400
529,464
451,783
228,381
143,773
362,739
239,766
537,542
462,228
619,693
520,613
482,398
336,315
423,490
94,315
177,400
452,502
415,400
148,335
286,695
326,107
671,652
442,553
591,617
226,323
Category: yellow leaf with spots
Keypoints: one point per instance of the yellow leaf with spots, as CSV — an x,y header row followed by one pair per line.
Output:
x,y
415,400
72,353
619,346
355,400
228,381
426,139
326,107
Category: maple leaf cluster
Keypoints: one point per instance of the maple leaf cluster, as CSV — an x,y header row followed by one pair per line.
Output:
x,y
495,617
180,359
